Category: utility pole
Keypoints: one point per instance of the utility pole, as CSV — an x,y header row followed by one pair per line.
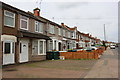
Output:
x,y
104,43
104,33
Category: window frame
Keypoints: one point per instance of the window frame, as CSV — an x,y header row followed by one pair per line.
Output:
x,y
44,47
24,20
69,36
40,26
51,29
59,31
10,17
12,49
64,32
50,45
36,23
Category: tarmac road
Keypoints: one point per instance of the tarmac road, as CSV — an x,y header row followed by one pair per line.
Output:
x,y
106,67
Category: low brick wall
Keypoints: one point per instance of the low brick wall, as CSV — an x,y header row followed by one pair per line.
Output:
x,y
83,54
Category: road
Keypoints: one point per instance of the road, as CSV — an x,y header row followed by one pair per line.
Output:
x,y
106,67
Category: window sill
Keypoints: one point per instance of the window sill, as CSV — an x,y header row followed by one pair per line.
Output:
x,y
38,54
39,32
9,26
60,35
24,29
41,54
52,33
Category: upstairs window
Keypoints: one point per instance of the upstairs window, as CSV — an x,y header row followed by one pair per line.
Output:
x,y
74,35
9,19
24,22
38,27
59,31
64,33
68,34
52,29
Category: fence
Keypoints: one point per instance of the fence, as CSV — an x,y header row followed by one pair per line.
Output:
x,y
83,54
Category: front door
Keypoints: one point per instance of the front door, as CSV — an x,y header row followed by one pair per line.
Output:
x,y
23,51
59,46
8,52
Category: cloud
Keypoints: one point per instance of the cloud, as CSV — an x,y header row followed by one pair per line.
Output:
x,y
69,5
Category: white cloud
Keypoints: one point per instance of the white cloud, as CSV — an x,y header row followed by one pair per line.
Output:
x,y
89,16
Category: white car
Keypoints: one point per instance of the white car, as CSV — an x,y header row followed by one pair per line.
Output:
x,y
94,48
112,47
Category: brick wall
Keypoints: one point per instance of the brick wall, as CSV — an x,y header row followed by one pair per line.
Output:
x,y
0,33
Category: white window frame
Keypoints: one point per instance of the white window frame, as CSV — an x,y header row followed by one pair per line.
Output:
x,y
11,46
49,47
44,47
63,32
9,16
51,29
24,20
36,23
39,25
68,34
59,31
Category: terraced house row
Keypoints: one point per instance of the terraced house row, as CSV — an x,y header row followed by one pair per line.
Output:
x,y
26,36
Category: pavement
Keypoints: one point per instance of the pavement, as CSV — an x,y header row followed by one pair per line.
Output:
x,y
106,67
49,69
0,73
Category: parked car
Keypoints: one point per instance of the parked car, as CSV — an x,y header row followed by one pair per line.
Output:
x,y
94,48
89,49
112,46
116,45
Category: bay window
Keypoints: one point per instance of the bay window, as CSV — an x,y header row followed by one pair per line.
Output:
x,y
35,47
55,45
50,45
39,47
9,19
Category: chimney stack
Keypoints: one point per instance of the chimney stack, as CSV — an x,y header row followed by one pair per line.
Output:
x,y
62,24
36,12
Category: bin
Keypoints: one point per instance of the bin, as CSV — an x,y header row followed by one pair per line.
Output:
x,y
52,55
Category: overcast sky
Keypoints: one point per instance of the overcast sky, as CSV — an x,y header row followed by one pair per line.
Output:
x,y
89,16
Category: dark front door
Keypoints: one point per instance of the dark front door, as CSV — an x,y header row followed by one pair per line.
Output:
x,y
59,44
68,46
77,46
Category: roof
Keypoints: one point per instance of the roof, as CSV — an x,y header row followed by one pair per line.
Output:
x,y
72,29
23,33
28,14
